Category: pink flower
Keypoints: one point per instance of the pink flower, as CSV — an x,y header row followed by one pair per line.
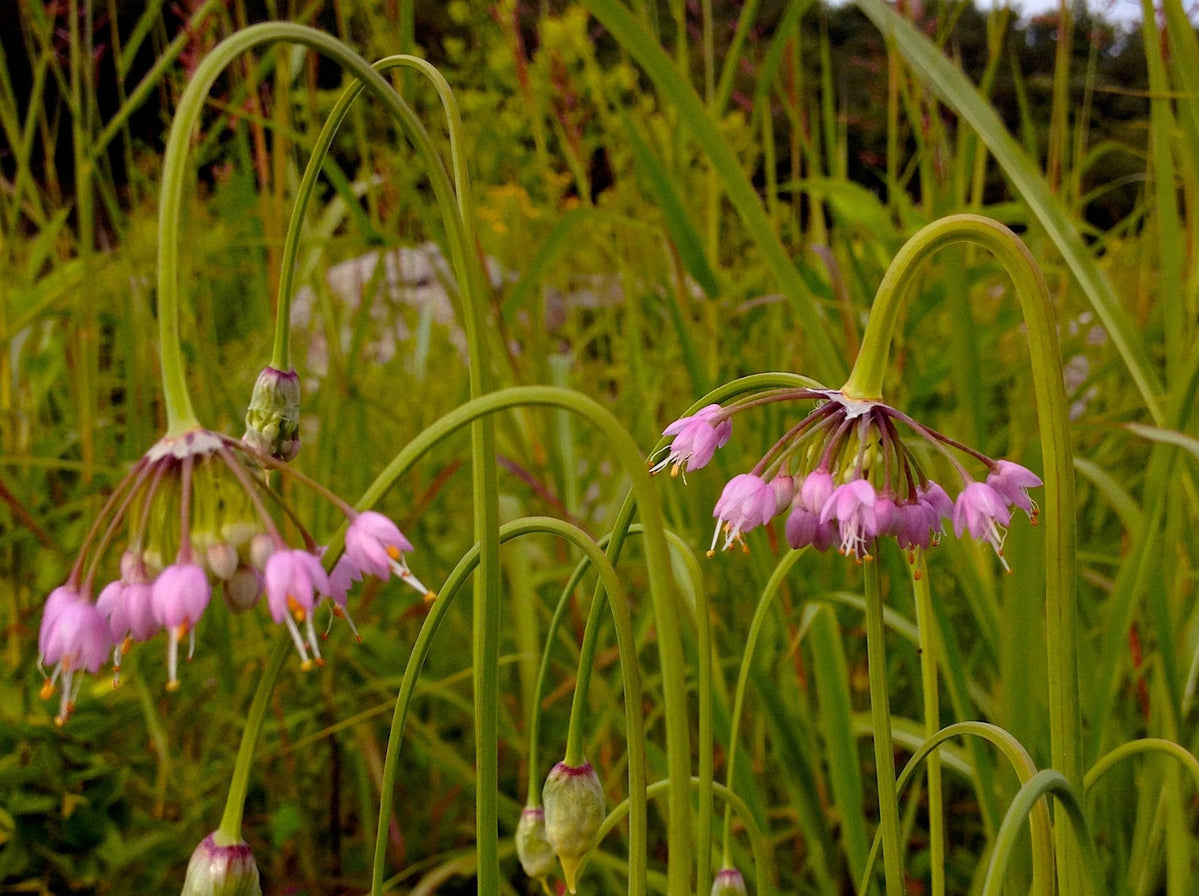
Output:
x,y
852,506
74,638
1012,482
696,438
129,609
746,503
375,545
180,596
341,578
294,581
58,600
983,512
804,527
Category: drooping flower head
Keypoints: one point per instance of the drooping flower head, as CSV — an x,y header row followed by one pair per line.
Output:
x,y
199,514
845,476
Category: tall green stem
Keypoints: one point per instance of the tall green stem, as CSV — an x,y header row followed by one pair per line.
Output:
x,y
662,592
618,601
925,620
880,716
455,214
1058,522
229,833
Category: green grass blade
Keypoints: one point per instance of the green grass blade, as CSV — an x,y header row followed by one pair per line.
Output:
x,y
965,100
828,363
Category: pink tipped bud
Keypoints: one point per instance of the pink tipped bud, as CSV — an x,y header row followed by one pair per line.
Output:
x,y
273,418
574,811
532,848
221,870
729,882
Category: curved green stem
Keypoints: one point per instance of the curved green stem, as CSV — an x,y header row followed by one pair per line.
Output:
x,y
618,601
578,705
180,413
229,833
747,661
574,754
880,714
1047,781
660,579
1025,769
758,842
467,269
281,352
1136,747
1058,521
932,718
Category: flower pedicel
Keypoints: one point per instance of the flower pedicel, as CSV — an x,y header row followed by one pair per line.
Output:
x,y
845,477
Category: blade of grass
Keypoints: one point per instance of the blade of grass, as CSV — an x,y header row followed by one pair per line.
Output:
x,y
965,100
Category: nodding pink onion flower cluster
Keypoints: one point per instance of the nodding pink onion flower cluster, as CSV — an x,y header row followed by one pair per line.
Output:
x,y
201,516
844,477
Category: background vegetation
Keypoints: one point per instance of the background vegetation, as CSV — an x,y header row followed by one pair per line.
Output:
x,y
621,270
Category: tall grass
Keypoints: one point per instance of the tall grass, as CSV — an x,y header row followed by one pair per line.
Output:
x,y
659,231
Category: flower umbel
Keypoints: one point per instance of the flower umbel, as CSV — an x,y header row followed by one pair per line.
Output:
x,y
846,477
197,510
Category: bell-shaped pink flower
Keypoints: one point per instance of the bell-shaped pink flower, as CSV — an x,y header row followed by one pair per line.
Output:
x,y
746,503
74,638
374,543
295,581
180,596
128,608
982,511
852,506
1012,482
696,438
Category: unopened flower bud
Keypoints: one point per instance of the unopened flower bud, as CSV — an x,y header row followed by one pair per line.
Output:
x,y
261,548
729,882
273,418
534,851
243,589
221,871
574,811
221,559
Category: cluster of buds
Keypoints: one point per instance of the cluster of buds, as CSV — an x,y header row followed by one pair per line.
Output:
x,y
200,515
845,477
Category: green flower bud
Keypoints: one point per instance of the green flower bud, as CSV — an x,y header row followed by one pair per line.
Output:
x,y
273,418
534,851
574,811
729,882
221,870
